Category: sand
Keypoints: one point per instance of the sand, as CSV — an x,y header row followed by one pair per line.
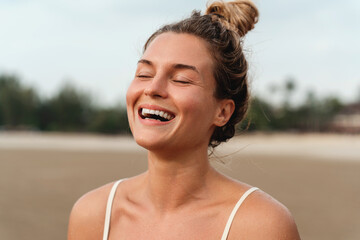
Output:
x,y
316,176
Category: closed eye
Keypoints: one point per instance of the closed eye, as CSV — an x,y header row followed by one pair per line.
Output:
x,y
182,81
143,76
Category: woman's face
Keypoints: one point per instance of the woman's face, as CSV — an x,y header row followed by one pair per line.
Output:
x,y
171,102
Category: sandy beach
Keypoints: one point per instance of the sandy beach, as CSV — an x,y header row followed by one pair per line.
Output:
x,y
317,176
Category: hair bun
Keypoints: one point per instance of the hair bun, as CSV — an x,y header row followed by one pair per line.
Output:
x,y
242,14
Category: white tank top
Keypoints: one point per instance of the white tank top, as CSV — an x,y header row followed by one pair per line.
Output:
x,y
226,230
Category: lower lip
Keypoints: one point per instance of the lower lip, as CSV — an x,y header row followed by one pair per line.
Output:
x,y
152,122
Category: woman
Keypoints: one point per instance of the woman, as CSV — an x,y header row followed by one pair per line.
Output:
x,y
189,91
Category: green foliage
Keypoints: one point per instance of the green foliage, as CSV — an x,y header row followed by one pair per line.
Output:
x,y
110,121
73,110
69,110
18,104
313,115
258,117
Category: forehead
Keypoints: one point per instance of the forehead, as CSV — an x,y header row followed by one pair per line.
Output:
x,y
179,48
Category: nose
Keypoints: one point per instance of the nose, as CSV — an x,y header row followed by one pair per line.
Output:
x,y
156,87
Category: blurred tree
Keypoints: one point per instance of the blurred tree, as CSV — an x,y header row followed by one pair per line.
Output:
x,y
307,114
329,107
289,89
18,104
68,110
312,115
73,110
258,116
110,121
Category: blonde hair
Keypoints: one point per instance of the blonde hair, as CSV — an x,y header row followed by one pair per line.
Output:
x,y
223,26
239,16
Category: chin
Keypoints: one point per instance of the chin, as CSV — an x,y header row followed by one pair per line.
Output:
x,y
150,143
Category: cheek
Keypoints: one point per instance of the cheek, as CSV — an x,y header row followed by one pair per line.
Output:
x,y
200,106
132,93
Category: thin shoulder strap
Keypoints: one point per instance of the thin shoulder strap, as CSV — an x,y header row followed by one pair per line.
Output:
x,y
232,215
108,209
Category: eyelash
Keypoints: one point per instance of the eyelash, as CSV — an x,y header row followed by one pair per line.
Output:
x,y
182,82
143,76
176,81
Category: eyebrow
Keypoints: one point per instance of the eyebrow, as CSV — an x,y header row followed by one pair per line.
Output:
x,y
144,61
175,66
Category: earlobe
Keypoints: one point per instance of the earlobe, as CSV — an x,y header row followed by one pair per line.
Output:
x,y
225,111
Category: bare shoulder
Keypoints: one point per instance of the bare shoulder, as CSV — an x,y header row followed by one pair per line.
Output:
x,y
263,217
88,215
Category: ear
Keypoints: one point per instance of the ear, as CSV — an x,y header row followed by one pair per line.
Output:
x,y
224,112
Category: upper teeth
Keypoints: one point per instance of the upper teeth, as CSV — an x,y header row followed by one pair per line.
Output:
x,y
162,114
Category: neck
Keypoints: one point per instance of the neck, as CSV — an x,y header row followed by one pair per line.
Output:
x,y
174,179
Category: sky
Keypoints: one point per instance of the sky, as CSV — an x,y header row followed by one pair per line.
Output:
x,y
95,44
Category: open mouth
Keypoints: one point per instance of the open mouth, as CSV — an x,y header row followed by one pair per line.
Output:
x,y
158,115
